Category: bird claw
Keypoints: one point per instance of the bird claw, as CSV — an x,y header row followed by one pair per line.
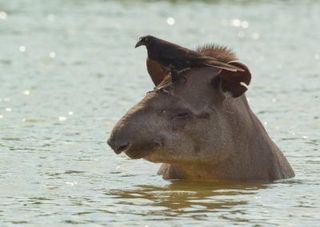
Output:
x,y
176,74
176,77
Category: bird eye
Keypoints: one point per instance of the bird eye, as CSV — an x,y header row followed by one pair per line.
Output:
x,y
146,39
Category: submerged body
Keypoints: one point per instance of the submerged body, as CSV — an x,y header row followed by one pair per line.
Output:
x,y
201,128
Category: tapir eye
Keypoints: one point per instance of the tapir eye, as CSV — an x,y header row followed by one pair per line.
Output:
x,y
183,115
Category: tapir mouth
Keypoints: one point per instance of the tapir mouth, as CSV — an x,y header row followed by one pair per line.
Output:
x,y
140,151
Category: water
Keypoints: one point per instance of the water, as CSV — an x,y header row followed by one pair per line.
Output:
x,y
69,72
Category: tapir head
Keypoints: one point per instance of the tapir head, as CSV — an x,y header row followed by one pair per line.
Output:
x,y
190,120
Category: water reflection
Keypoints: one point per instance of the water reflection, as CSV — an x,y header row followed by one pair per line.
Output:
x,y
183,198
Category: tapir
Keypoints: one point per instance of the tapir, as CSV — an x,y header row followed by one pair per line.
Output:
x,y
201,126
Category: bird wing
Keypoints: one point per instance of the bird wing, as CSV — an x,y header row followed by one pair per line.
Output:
x,y
175,53
156,71
193,56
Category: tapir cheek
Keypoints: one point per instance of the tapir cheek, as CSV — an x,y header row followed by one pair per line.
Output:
x,y
178,125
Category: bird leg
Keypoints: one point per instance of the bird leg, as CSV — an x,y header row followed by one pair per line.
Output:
x,y
176,74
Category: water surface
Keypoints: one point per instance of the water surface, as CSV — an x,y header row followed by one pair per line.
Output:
x,y
69,72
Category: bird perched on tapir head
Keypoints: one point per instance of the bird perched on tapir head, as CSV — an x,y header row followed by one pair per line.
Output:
x,y
175,59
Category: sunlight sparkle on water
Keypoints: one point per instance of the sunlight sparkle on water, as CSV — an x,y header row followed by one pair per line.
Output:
x,y
56,166
3,15
239,23
26,92
245,24
171,21
22,49
52,54
236,22
62,118
8,109
71,183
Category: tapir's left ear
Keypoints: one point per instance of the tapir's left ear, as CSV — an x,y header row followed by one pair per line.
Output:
x,y
235,82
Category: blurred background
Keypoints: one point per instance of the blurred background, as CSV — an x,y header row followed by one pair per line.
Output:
x,y
69,71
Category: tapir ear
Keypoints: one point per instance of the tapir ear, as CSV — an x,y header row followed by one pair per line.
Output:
x,y
235,82
156,72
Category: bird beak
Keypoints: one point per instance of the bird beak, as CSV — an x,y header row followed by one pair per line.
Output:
x,y
139,43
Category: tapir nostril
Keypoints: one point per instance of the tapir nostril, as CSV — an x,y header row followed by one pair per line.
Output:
x,y
117,146
123,147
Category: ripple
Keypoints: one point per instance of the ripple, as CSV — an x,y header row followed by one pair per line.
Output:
x,y
83,68
5,61
73,222
19,222
11,138
83,213
67,172
34,120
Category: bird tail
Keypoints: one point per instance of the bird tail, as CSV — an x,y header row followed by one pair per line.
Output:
x,y
213,62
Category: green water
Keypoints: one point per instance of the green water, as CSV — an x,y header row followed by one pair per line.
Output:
x,y
69,71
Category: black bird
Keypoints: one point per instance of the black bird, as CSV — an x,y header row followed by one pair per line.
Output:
x,y
175,59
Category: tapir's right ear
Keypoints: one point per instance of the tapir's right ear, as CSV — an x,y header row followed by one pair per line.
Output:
x,y
156,72
235,82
